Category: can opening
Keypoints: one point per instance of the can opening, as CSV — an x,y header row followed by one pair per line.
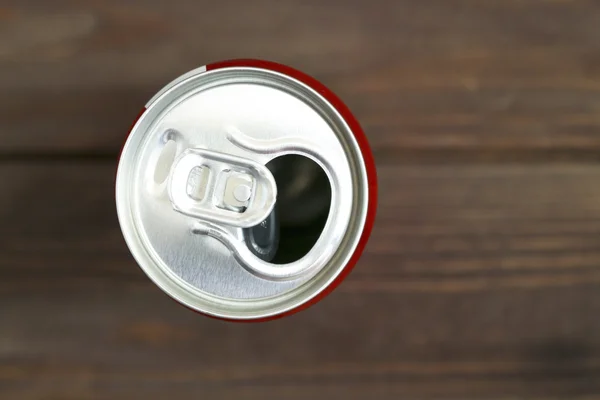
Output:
x,y
302,208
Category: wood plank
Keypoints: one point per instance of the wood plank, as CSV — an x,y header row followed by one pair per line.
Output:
x,y
479,281
129,341
434,223
472,79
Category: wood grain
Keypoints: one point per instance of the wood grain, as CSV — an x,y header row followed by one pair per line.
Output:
x,y
437,226
486,80
481,279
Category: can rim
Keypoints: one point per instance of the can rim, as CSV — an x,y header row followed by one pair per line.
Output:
x,y
367,158
367,155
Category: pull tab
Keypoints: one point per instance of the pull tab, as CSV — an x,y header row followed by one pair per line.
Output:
x,y
263,239
221,188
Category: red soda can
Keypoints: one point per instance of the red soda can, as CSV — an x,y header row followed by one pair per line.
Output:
x,y
246,190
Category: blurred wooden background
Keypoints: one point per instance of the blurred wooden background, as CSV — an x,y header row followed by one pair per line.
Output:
x,y
482,277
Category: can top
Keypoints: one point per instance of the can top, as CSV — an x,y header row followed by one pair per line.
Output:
x,y
192,177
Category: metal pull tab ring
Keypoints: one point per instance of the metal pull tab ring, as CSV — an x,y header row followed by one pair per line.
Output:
x,y
221,188
226,194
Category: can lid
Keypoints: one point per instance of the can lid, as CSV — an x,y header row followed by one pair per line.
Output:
x,y
193,184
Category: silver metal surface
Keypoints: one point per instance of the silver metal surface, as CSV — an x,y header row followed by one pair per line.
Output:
x,y
214,178
192,175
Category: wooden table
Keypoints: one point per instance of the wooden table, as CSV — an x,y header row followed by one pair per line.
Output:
x,y
482,276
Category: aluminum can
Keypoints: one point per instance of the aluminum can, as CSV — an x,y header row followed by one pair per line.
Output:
x,y
246,190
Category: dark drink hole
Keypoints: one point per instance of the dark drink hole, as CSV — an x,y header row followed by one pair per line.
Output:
x,y
300,214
